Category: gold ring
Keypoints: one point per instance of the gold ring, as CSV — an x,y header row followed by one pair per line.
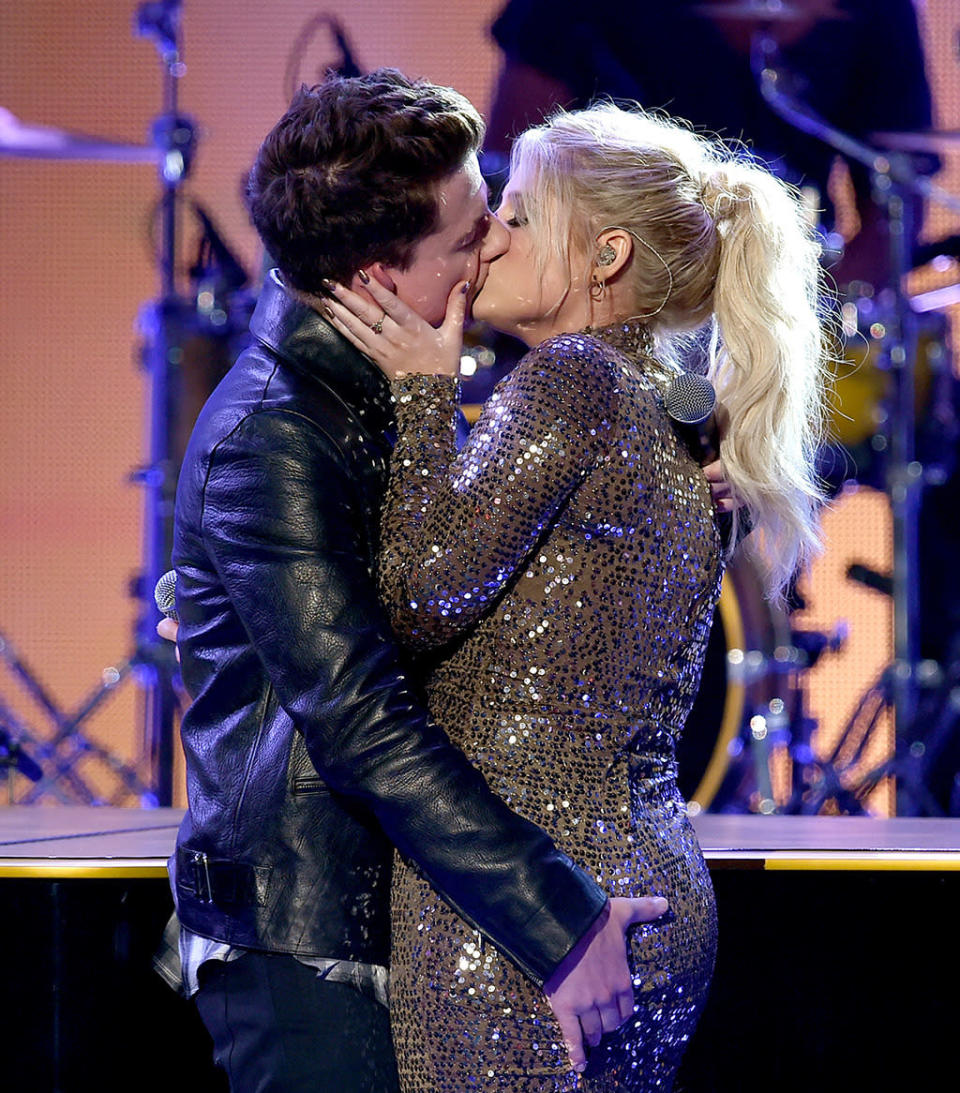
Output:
x,y
377,327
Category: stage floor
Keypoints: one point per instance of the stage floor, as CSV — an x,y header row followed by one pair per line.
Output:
x,y
128,842
836,968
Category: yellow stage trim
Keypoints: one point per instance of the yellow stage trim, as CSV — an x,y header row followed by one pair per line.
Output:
x,y
899,861
67,871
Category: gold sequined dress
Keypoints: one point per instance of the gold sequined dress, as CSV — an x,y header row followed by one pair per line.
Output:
x,y
563,568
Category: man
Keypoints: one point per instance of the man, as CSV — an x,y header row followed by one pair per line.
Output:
x,y
307,752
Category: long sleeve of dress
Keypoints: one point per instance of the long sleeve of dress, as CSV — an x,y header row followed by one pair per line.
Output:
x,y
457,526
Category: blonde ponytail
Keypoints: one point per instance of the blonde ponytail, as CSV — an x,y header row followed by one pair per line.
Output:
x,y
768,360
742,261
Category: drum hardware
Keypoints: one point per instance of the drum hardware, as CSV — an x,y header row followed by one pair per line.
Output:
x,y
153,666
57,756
767,729
167,325
914,760
13,757
346,66
19,138
170,149
935,299
777,738
894,181
181,337
914,763
933,141
870,578
941,252
175,138
748,730
864,377
770,11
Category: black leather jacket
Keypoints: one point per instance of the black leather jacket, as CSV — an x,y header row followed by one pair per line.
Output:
x,y
307,751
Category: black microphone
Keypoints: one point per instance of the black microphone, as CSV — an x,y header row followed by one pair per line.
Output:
x,y
691,404
165,595
348,64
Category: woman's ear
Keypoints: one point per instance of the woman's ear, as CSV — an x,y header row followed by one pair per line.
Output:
x,y
613,249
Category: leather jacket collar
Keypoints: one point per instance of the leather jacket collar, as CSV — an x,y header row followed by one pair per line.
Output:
x,y
305,341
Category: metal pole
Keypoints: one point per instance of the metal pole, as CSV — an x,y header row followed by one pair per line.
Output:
x,y
174,137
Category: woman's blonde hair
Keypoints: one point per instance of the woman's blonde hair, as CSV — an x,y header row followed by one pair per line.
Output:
x,y
743,265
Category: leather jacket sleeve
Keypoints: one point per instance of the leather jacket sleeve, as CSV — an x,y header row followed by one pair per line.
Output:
x,y
298,570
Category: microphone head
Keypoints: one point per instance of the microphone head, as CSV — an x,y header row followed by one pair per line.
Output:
x,y
165,595
690,399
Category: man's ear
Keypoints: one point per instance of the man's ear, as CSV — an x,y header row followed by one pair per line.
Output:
x,y
379,270
376,270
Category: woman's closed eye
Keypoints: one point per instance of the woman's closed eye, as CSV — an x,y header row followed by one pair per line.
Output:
x,y
512,211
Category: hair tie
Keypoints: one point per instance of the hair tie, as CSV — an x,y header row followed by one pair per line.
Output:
x,y
717,194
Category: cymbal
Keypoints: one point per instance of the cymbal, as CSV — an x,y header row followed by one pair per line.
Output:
x,y
933,140
46,142
770,11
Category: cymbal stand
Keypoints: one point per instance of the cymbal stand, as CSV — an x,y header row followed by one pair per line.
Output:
x,y
152,663
175,138
813,779
912,760
893,180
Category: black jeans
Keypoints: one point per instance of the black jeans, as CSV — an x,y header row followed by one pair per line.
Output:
x,y
278,1028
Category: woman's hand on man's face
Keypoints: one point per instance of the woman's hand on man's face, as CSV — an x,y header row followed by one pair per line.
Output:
x,y
393,335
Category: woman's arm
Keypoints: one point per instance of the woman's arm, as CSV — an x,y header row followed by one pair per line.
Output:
x,y
457,527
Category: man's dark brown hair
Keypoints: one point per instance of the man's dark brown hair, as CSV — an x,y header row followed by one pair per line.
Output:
x,y
348,175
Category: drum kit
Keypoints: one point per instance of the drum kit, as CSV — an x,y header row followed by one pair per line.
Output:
x,y
750,741
895,427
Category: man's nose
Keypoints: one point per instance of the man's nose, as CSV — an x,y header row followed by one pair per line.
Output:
x,y
496,241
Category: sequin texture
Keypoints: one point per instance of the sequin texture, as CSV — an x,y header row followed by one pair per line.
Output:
x,y
560,573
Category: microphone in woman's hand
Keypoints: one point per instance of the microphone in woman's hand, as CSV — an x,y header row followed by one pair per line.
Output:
x,y
691,404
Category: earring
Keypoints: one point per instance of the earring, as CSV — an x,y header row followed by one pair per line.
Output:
x,y
598,289
607,255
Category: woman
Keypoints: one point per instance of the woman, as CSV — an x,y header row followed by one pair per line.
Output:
x,y
563,568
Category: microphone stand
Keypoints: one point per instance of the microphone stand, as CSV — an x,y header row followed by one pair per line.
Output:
x,y
174,137
152,663
893,180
